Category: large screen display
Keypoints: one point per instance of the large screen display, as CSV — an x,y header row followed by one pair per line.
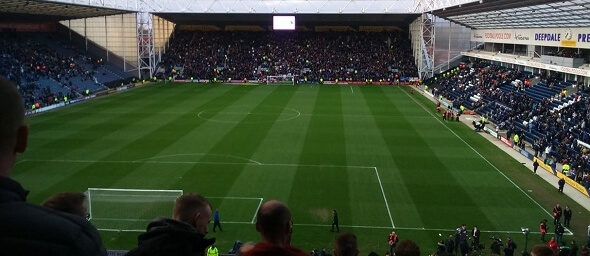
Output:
x,y
283,22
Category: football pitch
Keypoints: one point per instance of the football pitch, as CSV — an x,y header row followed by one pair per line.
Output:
x,y
376,154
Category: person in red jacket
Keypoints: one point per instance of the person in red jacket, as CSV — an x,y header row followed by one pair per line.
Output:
x,y
553,245
543,229
557,214
392,241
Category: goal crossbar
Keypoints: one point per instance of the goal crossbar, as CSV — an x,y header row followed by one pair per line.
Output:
x,y
281,79
136,190
111,200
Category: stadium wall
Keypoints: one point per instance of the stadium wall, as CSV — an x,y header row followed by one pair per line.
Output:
x,y
107,36
115,38
92,49
451,40
163,31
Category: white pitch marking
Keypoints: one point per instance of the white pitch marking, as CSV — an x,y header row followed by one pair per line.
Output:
x,y
141,161
363,227
199,154
120,219
351,89
248,113
384,198
327,225
234,197
256,212
120,230
242,198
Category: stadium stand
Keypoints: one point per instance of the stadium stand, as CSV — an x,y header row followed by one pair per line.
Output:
x,y
544,114
350,56
48,70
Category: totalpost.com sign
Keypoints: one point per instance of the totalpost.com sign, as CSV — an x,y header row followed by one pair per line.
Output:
x,y
556,37
498,35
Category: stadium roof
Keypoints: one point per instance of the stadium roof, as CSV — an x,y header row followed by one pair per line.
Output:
x,y
496,14
301,20
279,6
20,10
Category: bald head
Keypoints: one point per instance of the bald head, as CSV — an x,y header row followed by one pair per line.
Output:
x,y
274,223
346,245
541,250
13,132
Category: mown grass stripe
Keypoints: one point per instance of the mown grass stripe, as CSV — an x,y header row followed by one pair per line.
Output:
x,y
324,145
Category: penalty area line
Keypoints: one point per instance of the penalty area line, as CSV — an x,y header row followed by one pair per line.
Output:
x,y
384,198
260,199
256,212
234,197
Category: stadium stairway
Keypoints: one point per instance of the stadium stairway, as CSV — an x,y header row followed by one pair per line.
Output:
x,y
53,85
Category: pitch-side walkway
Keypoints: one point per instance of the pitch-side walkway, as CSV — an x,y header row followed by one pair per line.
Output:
x,y
550,178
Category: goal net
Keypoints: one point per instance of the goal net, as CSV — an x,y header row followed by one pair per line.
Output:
x,y
128,209
281,79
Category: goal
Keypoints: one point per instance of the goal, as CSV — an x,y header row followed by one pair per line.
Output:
x,y
287,79
112,209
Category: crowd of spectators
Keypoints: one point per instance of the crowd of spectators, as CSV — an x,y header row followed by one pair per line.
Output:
x,y
26,60
564,52
314,56
485,81
513,111
564,128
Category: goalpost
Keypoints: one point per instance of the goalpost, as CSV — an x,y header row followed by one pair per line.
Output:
x,y
286,79
111,209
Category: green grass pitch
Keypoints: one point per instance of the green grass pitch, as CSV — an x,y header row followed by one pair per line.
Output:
x,y
377,154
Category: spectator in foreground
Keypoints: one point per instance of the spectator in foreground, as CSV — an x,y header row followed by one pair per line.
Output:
x,y
541,250
244,248
70,202
573,248
346,245
407,248
552,244
184,234
273,222
27,229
